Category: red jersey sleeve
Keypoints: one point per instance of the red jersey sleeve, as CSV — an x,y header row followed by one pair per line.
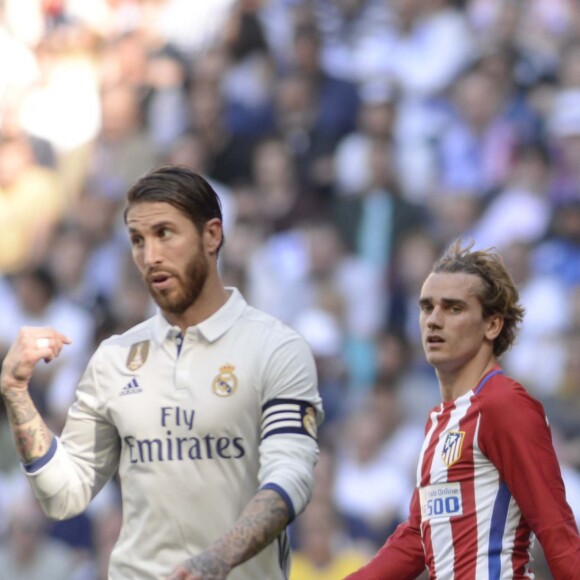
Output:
x,y
402,557
515,436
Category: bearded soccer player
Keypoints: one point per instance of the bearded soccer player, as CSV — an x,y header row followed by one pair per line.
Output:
x,y
208,409
488,479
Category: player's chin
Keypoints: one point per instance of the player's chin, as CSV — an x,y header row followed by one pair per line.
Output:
x,y
435,357
164,301
433,348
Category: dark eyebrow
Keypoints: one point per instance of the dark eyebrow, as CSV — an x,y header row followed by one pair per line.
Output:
x,y
453,302
445,301
156,226
161,225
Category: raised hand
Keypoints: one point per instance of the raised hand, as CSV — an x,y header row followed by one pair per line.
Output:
x,y
31,435
31,345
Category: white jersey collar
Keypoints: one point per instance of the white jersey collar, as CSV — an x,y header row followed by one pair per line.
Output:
x,y
211,328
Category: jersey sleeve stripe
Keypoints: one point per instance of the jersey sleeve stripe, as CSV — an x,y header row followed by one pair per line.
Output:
x,y
284,553
282,493
42,461
496,532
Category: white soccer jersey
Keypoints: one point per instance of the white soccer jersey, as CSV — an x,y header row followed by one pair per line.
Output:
x,y
196,428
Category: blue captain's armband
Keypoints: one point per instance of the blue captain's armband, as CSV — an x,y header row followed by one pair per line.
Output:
x,y
42,461
288,416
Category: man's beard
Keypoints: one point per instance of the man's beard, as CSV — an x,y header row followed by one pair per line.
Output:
x,y
189,287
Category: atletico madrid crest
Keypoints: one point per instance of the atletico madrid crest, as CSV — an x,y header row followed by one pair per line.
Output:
x,y
452,447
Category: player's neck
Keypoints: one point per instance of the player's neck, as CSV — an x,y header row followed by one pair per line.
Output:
x,y
212,297
455,383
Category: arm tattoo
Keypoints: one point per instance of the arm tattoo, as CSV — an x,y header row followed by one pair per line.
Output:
x,y
31,435
260,523
209,565
19,407
31,443
264,518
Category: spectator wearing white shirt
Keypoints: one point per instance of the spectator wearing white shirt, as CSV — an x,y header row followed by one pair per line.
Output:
x,y
522,210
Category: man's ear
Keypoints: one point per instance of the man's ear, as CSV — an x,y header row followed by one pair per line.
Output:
x,y
212,235
494,326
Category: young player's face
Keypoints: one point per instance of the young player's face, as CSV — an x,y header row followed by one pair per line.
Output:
x,y
453,329
170,254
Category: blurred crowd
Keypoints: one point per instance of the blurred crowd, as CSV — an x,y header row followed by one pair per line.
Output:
x,y
350,142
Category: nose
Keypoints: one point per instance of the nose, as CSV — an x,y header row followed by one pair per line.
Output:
x,y
151,254
434,318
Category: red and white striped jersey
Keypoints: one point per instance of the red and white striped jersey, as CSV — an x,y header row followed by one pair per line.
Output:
x,y
487,481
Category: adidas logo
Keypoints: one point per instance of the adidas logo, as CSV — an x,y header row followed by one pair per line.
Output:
x,y
131,388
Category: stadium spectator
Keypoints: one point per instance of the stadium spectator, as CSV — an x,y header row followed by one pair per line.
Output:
x,y
123,150
477,146
25,187
373,475
325,551
548,320
521,211
29,553
165,101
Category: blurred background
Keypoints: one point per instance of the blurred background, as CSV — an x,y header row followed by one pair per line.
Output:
x,y
350,142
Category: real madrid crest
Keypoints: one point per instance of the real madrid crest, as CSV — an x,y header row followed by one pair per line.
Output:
x,y
137,355
226,383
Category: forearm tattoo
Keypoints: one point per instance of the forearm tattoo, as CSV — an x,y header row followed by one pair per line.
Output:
x,y
261,522
32,443
209,565
31,435
19,407
264,518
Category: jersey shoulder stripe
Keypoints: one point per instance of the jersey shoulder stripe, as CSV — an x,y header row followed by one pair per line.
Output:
x,y
485,380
